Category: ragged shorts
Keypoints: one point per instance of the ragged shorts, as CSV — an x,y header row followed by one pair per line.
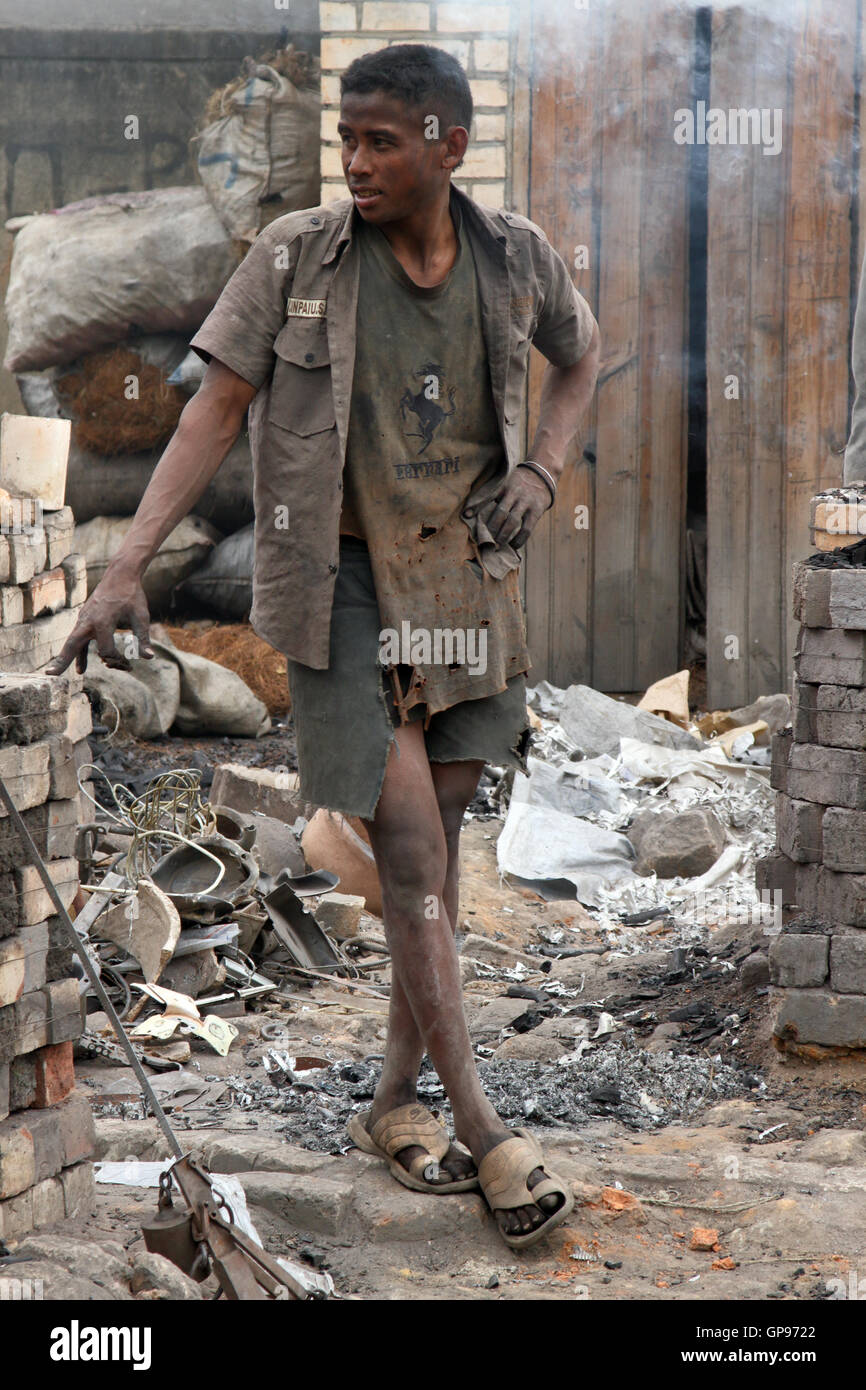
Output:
x,y
345,717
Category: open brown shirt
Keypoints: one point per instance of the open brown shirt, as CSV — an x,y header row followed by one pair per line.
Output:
x,y
286,323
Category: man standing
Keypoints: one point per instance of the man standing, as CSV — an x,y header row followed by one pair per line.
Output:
x,y
382,345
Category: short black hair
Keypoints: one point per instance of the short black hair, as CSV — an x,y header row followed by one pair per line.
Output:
x,y
419,75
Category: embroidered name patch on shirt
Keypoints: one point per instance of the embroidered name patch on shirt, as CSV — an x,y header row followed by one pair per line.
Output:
x,y
305,308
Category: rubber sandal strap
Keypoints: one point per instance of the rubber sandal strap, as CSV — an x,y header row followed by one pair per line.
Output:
x,y
411,1126
504,1170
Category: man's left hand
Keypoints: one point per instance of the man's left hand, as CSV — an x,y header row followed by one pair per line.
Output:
x,y
516,509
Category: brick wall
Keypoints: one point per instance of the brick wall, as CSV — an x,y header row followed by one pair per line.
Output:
x,y
483,39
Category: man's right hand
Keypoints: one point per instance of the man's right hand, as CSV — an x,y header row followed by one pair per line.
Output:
x,y
117,601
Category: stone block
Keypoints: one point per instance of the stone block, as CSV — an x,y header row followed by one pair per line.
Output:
x,y
11,605
780,748
5,1089
22,1082
842,898
74,1120
17,1157
16,1216
33,457
308,1202
829,776
830,656
54,1074
340,914
79,722
79,1188
27,555
839,716
804,705
47,1140
75,574
829,597
25,772
28,646
63,1011
274,793
798,960
823,1017
32,706
35,904
845,840
59,530
62,821
777,871
48,1204
755,971
686,843
23,959
59,963
848,964
24,1025
44,593
799,829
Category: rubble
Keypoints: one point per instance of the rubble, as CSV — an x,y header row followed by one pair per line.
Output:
x,y
597,723
671,844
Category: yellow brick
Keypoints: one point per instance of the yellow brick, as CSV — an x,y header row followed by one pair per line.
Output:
x,y
331,91
489,128
491,194
458,48
330,117
339,53
486,91
332,163
485,162
379,15
491,55
332,191
474,18
334,16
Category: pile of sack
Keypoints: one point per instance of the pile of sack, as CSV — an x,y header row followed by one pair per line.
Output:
x,y
105,293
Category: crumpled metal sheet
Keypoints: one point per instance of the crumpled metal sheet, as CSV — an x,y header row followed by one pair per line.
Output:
x,y
738,792
539,843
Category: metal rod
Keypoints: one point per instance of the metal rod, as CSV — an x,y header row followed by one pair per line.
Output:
x,y
93,974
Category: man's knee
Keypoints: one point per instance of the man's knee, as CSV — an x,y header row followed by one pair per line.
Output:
x,y
412,862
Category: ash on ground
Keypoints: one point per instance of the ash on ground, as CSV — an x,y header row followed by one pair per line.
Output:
x,y
642,1090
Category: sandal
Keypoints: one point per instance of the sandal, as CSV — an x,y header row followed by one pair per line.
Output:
x,y
408,1126
503,1173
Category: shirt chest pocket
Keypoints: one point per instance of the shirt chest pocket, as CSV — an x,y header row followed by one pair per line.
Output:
x,y
301,398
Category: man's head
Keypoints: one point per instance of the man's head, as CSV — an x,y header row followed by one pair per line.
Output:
x,y
405,114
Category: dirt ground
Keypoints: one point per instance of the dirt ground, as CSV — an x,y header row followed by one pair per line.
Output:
x,y
745,1186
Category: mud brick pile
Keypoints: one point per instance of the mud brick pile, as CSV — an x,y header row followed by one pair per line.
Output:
x,y
42,587
46,1125
819,774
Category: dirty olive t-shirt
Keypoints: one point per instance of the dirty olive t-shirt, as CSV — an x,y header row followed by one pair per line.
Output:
x,y
422,433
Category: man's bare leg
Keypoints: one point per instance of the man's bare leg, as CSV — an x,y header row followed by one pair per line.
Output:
x,y
454,785
410,846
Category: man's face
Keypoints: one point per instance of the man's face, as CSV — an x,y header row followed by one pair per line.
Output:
x,y
391,167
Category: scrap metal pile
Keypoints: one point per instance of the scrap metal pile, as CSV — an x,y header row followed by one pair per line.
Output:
x,y
195,915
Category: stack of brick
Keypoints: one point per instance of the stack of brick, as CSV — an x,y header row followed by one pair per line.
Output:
x,y
46,1126
42,584
819,774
